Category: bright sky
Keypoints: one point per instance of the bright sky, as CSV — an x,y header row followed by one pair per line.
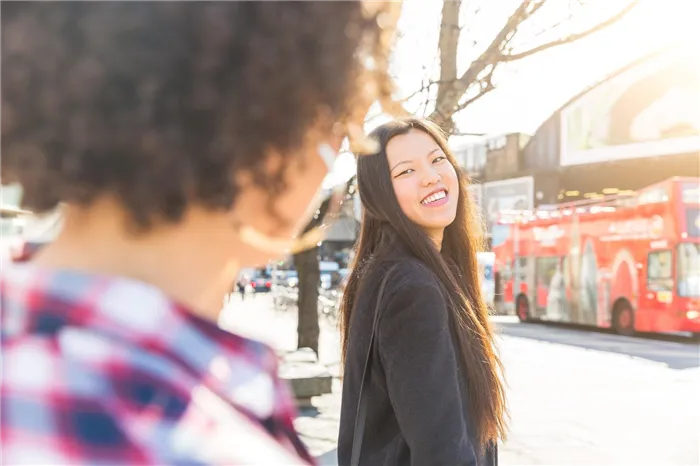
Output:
x,y
529,91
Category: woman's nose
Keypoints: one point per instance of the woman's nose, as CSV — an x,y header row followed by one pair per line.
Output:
x,y
431,176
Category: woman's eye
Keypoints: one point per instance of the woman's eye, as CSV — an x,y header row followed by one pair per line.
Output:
x,y
439,159
405,172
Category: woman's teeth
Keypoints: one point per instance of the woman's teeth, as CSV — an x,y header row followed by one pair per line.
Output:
x,y
434,197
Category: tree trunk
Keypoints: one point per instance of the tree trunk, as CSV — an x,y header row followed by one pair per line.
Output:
x,y
306,263
446,125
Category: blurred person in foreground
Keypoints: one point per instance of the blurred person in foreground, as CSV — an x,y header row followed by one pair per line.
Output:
x,y
182,141
435,394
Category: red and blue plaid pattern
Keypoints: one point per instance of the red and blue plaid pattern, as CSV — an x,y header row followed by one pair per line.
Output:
x,y
102,370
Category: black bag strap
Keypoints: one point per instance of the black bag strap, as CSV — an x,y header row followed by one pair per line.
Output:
x,y
361,415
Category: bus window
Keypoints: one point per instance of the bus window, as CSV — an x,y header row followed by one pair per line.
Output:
x,y
690,193
653,196
692,222
660,271
505,278
689,270
545,269
522,268
506,270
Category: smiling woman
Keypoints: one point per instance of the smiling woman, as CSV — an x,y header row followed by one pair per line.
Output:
x,y
413,313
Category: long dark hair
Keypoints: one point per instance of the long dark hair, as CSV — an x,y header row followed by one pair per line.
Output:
x,y
384,224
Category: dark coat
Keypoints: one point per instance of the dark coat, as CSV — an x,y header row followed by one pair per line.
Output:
x,y
417,396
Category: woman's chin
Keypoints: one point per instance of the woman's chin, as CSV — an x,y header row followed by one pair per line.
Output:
x,y
437,224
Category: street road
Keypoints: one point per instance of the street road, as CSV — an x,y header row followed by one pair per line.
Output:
x,y
577,397
584,397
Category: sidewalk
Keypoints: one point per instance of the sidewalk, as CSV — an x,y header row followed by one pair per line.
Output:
x,y
575,397
256,318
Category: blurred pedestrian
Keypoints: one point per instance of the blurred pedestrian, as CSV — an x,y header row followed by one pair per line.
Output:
x,y
422,378
182,140
242,283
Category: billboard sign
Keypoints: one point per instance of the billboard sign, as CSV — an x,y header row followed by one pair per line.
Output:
x,y
651,109
507,195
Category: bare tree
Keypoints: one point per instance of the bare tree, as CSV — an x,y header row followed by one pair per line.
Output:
x,y
308,270
307,265
456,91
309,273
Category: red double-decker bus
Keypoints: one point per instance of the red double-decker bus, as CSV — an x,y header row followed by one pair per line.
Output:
x,y
627,262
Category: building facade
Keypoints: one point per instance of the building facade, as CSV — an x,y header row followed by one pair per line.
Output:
x,y
636,127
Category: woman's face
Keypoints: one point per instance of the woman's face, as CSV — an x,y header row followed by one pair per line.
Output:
x,y
425,182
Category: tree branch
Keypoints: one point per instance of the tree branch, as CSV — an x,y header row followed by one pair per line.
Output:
x,y
422,89
426,87
573,37
481,93
371,118
493,53
485,86
514,22
536,5
555,25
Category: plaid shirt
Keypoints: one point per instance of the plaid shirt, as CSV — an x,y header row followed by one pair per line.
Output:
x,y
102,370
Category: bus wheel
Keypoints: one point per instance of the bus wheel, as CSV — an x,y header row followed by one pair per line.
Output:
x,y
623,318
523,308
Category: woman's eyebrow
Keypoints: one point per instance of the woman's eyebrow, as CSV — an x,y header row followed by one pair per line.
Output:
x,y
400,163
409,161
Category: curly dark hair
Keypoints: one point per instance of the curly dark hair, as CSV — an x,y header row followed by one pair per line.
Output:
x,y
161,103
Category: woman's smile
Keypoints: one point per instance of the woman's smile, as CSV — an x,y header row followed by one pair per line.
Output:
x,y
436,199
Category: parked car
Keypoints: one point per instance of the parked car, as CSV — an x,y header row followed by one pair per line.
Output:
x,y
292,279
261,284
